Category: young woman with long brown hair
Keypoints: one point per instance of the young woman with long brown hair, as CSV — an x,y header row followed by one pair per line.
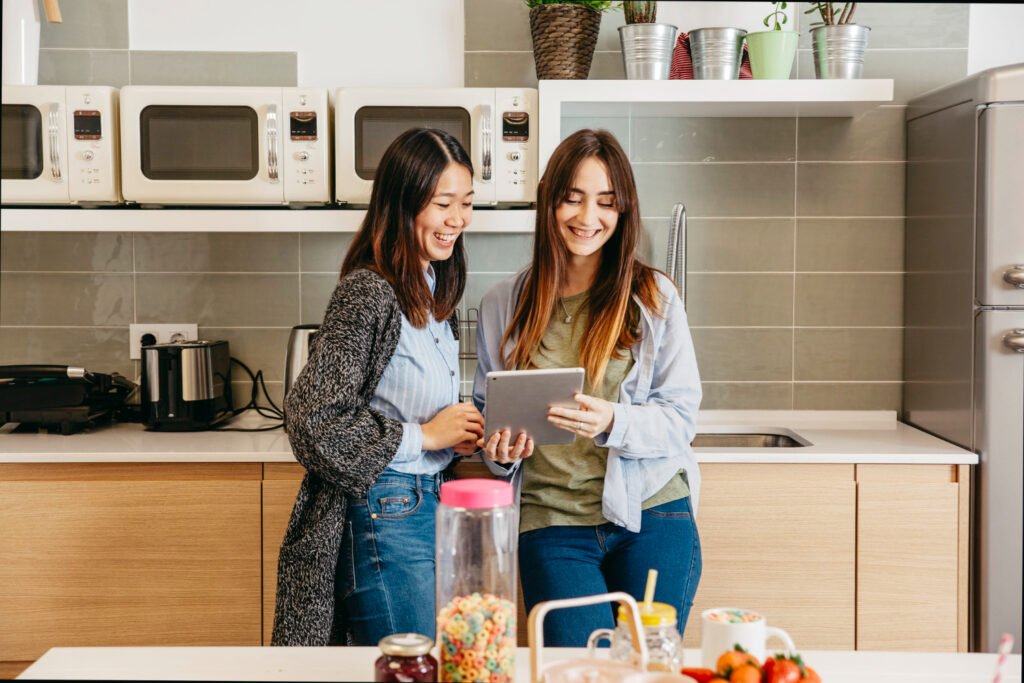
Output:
x,y
595,515
375,416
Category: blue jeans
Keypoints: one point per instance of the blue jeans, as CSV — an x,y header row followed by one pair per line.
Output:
x,y
384,581
572,561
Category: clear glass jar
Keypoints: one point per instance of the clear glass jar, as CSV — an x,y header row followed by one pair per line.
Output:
x,y
477,531
664,644
405,658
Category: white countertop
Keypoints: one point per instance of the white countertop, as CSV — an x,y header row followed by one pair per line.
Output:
x,y
356,664
833,437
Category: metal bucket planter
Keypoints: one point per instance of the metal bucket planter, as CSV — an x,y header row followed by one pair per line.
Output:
x,y
564,37
716,52
839,50
772,53
647,50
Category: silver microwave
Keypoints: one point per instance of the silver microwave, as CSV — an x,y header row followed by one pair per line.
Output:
x,y
59,145
225,145
497,127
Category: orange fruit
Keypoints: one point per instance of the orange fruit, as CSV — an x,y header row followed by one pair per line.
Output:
x,y
746,673
733,659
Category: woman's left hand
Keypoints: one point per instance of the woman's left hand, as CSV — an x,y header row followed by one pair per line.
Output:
x,y
466,447
594,417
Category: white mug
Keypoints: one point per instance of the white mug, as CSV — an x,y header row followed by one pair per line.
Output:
x,y
750,633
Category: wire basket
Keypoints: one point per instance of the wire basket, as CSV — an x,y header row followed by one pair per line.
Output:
x,y
467,352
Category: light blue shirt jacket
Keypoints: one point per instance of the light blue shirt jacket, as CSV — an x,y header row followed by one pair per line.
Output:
x,y
655,416
421,380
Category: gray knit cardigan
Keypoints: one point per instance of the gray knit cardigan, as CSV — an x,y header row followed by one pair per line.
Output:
x,y
344,446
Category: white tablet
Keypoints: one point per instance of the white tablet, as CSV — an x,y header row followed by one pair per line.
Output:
x,y
519,400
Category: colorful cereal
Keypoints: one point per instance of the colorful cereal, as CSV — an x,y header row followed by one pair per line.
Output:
x,y
478,639
733,616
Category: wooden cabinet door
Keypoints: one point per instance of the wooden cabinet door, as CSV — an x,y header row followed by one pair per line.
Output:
x,y
280,485
128,554
908,557
780,539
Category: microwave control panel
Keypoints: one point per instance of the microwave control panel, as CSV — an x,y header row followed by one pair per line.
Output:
x,y
515,154
92,144
306,151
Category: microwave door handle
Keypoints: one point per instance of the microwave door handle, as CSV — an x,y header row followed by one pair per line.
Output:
x,y
53,129
272,142
485,143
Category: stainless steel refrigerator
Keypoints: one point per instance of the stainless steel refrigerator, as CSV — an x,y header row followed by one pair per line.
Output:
x,y
963,351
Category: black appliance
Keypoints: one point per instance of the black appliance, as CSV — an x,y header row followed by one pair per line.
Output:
x,y
186,385
61,398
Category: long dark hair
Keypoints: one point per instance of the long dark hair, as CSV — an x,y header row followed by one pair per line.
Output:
x,y
613,325
386,242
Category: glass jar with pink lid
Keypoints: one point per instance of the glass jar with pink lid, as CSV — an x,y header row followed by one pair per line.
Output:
x,y
477,530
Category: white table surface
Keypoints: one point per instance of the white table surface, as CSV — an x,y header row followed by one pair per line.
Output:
x,y
356,664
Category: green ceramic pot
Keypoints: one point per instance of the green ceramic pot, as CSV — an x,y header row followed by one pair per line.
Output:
x,y
772,53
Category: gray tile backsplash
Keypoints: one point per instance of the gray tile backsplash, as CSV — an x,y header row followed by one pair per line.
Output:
x,y
97,24
214,68
84,67
795,241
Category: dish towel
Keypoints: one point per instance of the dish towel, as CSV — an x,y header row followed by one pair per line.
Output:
x,y
682,65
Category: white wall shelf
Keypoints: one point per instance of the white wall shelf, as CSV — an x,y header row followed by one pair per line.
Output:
x,y
133,219
746,98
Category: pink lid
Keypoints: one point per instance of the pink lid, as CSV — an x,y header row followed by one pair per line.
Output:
x,y
476,494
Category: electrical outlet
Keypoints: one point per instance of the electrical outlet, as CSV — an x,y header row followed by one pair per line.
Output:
x,y
161,333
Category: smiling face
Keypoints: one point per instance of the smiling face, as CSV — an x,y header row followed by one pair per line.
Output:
x,y
588,215
446,215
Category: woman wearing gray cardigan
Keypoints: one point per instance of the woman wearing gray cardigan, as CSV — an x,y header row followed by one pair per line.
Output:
x,y
374,416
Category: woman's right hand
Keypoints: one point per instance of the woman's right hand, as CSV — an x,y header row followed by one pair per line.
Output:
x,y
455,424
498,449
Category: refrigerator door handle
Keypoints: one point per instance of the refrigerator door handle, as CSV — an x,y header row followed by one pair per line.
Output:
x,y
1015,276
1014,340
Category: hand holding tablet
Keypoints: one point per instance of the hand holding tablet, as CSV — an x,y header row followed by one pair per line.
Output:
x,y
519,401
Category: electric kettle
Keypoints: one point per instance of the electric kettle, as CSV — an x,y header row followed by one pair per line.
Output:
x,y
298,352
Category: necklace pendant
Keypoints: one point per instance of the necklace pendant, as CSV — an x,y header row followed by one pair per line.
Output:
x,y
568,318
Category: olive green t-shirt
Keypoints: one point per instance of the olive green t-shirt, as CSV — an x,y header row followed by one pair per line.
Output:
x,y
563,484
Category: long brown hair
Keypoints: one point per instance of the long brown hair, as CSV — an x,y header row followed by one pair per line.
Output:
x,y
612,324
386,242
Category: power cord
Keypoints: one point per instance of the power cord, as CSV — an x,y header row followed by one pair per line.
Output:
x,y
272,412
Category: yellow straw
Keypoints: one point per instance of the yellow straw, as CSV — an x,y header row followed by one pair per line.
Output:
x,y
652,578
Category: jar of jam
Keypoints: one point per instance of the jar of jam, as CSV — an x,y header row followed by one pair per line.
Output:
x,y
405,658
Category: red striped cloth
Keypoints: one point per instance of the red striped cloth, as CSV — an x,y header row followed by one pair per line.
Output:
x,y
682,65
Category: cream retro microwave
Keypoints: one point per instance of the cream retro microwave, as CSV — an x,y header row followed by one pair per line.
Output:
x,y
59,145
497,127
225,145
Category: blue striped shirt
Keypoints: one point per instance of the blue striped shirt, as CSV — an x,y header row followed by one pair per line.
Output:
x,y
421,380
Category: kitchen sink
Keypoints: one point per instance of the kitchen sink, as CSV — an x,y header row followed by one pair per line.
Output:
x,y
718,440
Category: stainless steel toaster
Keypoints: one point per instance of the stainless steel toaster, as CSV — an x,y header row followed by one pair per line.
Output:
x,y
185,385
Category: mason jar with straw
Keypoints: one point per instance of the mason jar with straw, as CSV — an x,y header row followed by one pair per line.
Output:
x,y
664,644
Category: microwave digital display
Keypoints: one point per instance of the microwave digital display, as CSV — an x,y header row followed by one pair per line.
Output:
x,y
188,142
515,126
88,125
22,142
377,127
303,125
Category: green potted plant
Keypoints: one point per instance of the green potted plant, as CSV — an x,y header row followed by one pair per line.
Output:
x,y
772,52
646,45
837,43
564,35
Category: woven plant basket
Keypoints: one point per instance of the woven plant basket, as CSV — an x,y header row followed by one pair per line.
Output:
x,y
564,37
